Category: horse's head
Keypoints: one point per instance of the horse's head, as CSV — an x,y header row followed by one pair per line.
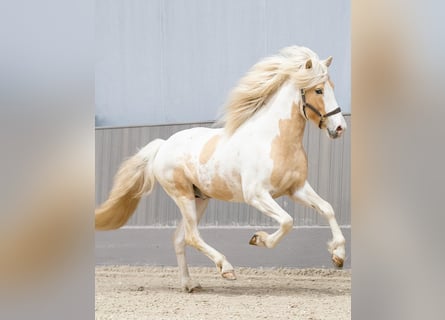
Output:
x,y
319,105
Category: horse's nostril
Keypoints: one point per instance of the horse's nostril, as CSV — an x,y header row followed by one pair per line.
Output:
x,y
339,129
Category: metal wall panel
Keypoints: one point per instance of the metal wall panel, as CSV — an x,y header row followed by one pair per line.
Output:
x,y
329,175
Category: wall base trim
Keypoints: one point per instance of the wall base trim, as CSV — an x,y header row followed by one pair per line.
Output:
x,y
304,247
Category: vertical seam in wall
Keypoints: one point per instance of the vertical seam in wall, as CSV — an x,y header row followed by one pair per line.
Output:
x,y
330,173
317,217
347,207
304,209
340,200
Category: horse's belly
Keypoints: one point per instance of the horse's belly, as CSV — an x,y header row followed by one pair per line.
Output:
x,y
221,186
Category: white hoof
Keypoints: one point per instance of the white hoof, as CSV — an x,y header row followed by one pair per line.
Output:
x,y
229,275
191,285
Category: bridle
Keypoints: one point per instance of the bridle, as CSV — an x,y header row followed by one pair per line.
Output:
x,y
322,116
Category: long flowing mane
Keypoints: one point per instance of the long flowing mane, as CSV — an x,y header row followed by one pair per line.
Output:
x,y
263,80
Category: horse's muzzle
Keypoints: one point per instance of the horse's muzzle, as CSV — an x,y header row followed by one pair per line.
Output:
x,y
334,134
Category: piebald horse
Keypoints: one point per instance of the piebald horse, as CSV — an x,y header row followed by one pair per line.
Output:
x,y
257,155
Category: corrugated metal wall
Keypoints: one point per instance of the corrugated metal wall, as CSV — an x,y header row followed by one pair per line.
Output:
x,y
329,175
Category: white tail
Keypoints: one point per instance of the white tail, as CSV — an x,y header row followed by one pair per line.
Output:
x,y
134,179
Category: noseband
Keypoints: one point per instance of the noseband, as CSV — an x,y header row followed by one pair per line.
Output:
x,y
322,116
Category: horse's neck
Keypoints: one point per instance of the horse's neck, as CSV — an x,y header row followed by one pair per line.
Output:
x,y
281,115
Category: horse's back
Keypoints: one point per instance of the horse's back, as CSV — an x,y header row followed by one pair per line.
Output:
x,y
188,141
182,147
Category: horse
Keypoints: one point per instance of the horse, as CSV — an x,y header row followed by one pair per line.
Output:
x,y
255,155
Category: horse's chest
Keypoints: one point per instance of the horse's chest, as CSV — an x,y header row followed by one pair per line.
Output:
x,y
289,170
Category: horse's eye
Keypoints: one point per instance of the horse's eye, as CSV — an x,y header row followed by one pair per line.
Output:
x,y
319,91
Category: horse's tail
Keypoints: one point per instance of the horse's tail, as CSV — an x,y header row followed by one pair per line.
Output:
x,y
134,179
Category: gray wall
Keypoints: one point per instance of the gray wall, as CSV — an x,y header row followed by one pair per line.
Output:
x,y
175,61
329,175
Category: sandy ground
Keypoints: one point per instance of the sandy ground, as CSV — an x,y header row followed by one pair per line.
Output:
x,y
135,292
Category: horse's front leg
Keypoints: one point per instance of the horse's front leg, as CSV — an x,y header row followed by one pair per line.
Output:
x,y
307,196
267,205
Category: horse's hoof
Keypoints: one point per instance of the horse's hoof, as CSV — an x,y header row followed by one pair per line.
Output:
x,y
229,275
258,239
338,262
253,241
191,286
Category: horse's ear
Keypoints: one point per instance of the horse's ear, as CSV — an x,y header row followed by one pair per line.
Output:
x,y
309,64
328,61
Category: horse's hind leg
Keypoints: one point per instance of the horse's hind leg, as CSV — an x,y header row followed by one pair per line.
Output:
x,y
307,196
179,242
188,208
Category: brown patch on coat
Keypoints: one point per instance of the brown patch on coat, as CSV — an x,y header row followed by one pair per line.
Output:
x,y
289,170
219,189
182,186
236,176
316,100
208,149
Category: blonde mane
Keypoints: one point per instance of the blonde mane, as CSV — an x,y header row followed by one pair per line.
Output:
x,y
263,80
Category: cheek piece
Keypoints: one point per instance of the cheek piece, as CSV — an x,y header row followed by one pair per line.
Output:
x,y
322,116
